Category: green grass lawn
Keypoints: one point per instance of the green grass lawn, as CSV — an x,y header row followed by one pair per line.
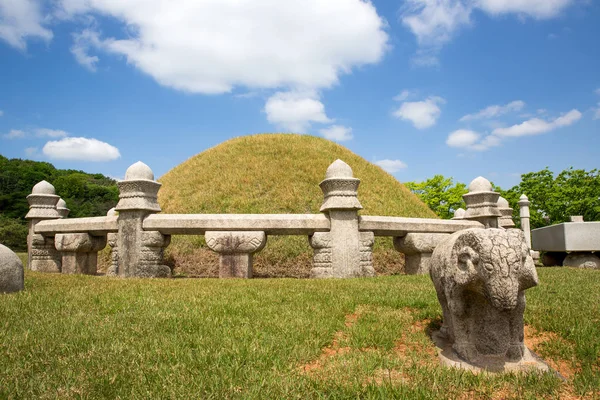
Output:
x,y
98,337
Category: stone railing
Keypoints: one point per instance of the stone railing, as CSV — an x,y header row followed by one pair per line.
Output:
x,y
341,239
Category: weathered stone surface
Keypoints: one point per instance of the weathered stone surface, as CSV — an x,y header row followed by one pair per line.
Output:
x,y
459,214
42,255
576,218
346,246
482,203
505,221
480,276
111,240
11,271
400,226
79,252
582,260
417,248
236,251
524,216
140,252
97,226
62,209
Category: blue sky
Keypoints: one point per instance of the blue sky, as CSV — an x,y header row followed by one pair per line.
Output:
x,y
422,87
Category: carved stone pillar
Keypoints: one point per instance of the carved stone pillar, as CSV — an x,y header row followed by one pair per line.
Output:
x,y
112,239
42,255
417,248
525,227
236,251
62,209
482,203
140,252
79,252
505,221
338,253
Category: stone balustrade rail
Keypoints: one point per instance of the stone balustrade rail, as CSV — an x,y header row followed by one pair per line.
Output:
x,y
342,240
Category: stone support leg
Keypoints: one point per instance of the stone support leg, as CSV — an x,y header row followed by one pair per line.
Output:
x,y
418,247
113,269
43,256
236,251
79,252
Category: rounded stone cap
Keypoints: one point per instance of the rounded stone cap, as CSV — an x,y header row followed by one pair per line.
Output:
x,y
503,203
460,213
43,187
112,212
338,169
523,197
480,184
138,171
61,203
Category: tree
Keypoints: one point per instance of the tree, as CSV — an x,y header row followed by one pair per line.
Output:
x,y
441,194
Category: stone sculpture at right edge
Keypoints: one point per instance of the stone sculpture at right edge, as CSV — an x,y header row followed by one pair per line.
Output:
x,y
480,276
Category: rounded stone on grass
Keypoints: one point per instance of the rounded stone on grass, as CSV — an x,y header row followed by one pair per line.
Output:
x,y
11,271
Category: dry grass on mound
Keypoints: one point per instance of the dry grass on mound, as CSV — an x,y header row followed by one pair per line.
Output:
x,y
276,174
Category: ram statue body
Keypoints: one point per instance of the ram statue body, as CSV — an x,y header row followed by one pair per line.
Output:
x,y
480,276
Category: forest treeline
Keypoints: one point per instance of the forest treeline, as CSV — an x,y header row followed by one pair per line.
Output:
x,y
86,195
554,199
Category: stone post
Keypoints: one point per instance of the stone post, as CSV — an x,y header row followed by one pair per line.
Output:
x,y
482,203
235,250
505,220
112,238
62,209
140,252
79,252
524,214
42,255
417,249
343,252
459,214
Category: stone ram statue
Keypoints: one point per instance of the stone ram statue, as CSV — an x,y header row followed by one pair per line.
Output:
x,y
480,276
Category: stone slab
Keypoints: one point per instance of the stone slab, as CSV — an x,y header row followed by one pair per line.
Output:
x,y
271,224
97,226
568,236
400,226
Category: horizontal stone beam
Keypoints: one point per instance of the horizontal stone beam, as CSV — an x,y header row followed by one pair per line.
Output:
x,y
97,226
271,224
400,226
568,236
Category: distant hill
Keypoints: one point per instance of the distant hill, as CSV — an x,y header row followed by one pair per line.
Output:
x,y
276,173
86,195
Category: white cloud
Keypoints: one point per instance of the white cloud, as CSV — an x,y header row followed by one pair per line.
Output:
x,y
495,111
423,114
295,111
81,149
1,113
214,46
462,138
391,166
537,126
338,133
15,134
597,112
81,46
405,94
31,151
19,20
538,9
435,22
51,133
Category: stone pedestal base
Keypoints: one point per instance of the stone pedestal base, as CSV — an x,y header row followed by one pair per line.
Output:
x,y
235,266
43,257
487,363
582,260
417,264
79,263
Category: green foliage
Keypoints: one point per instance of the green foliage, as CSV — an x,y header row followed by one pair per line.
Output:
x,y
555,199
13,233
86,195
441,194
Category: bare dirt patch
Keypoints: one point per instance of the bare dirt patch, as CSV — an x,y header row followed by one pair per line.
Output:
x,y
534,340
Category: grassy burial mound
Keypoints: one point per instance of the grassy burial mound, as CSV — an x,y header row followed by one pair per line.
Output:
x,y
275,174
